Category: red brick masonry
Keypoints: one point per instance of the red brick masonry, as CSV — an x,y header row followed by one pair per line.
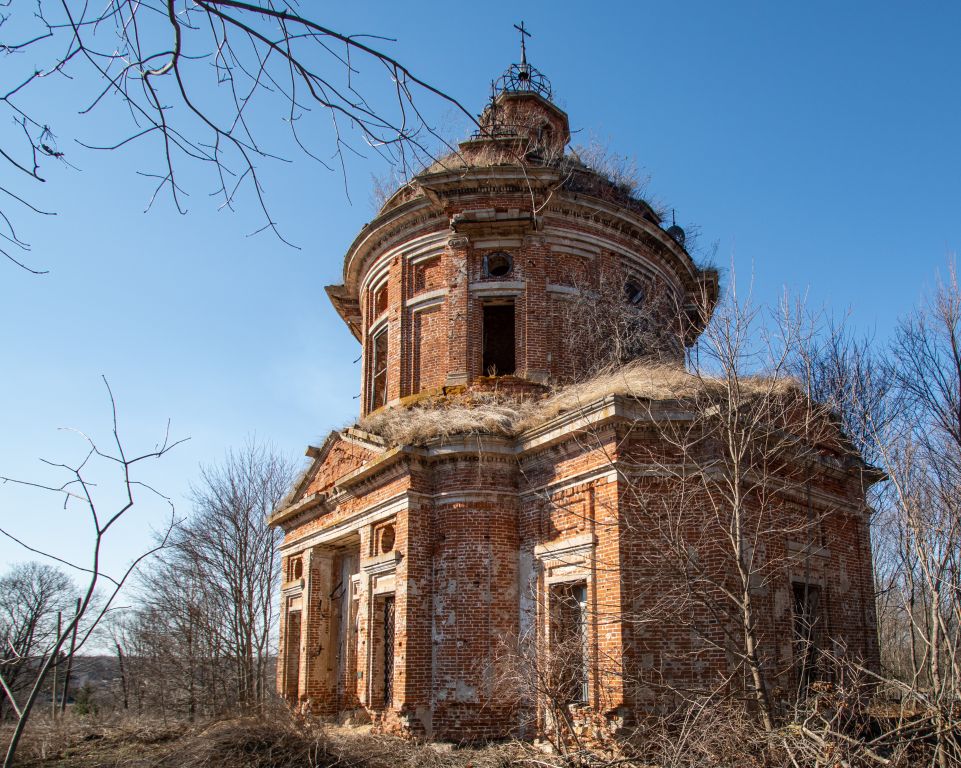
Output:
x,y
423,585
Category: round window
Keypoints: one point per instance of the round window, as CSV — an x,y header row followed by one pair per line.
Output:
x,y
298,569
387,539
498,264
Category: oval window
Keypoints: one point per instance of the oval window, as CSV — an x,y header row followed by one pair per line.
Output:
x,y
387,539
498,264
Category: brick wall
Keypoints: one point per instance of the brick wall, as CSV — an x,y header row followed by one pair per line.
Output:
x,y
473,542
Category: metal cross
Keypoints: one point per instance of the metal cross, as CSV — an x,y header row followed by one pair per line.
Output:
x,y
524,33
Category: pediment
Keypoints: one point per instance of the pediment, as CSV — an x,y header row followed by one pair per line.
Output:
x,y
340,454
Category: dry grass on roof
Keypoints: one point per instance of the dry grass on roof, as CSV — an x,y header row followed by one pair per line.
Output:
x,y
489,413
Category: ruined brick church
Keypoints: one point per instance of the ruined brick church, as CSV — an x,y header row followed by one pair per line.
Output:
x,y
430,576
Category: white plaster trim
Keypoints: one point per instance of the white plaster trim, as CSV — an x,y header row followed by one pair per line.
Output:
x,y
809,549
458,497
559,244
572,421
383,564
436,239
472,444
383,585
499,242
366,516
427,251
500,288
378,324
377,277
426,300
568,290
559,234
606,472
580,547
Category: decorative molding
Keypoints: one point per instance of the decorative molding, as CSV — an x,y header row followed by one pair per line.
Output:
x,y
607,472
378,324
808,549
293,510
498,242
382,565
573,548
427,299
498,288
566,290
372,514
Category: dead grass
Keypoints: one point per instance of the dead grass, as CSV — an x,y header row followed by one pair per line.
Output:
x,y
273,740
84,742
490,413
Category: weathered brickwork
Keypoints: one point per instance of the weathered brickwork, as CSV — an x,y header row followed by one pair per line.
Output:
x,y
426,585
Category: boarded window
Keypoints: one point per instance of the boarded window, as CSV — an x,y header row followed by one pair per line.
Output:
x,y
292,660
378,368
428,275
498,339
429,348
568,652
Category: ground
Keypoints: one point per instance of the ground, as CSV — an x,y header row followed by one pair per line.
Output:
x,y
267,741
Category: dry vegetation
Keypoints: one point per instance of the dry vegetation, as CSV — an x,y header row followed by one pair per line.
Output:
x,y
492,413
272,739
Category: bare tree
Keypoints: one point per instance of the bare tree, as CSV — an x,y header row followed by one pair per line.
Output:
x,y
723,524
31,596
921,454
202,80
210,599
80,491
620,319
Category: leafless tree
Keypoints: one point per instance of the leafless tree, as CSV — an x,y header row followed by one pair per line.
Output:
x,y
921,454
619,319
202,80
209,601
741,451
31,596
81,491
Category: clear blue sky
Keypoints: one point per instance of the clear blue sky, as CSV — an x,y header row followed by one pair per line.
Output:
x,y
816,142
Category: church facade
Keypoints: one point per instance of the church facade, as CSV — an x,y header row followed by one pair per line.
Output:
x,y
446,585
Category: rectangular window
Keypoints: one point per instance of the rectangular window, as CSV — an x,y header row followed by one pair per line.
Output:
x,y
378,371
569,646
808,630
498,339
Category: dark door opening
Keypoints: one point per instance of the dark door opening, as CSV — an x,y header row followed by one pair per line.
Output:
x,y
498,339
808,626
569,648
388,650
292,660
378,377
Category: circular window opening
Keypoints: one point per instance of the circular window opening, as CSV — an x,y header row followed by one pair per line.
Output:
x,y
298,569
387,539
498,264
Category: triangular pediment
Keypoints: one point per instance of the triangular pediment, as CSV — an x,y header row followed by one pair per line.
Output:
x,y
342,453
